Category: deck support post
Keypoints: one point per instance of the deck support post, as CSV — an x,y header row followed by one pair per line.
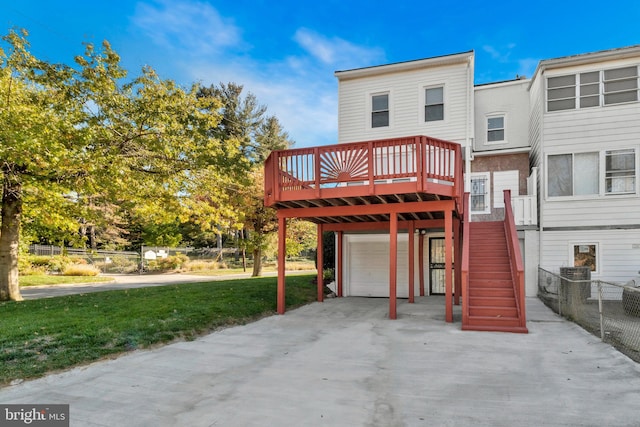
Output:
x,y
457,260
421,262
393,264
339,265
412,291
320,263
448,240
282,254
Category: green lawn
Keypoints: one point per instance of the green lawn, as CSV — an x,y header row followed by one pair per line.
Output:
x,y
39,336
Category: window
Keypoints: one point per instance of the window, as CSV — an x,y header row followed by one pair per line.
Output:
x,y
592,89
380,110
620,173
578,174
585,255
561,93
573,174
621,85
495,129
480,202
434,104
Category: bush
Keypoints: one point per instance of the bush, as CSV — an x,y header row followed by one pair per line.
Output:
x,y
47,264
173,262
80,270
203,265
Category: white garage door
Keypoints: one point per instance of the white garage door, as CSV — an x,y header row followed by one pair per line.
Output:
x,y
367,266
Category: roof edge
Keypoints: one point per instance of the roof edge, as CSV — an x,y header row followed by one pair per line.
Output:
x,y
455,58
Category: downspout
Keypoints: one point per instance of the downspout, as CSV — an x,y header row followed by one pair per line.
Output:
x,y
470,134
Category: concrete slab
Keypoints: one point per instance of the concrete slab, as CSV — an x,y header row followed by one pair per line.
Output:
x,y
343,363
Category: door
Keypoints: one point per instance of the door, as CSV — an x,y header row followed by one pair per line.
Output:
x,y
436,266
437,284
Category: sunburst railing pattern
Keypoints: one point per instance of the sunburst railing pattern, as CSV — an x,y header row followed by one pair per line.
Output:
x,y
308,172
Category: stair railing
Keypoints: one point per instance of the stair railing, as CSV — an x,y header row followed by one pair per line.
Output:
x,y
517,270
464,273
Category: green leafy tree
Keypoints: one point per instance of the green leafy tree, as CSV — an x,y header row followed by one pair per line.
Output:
x,y
72,132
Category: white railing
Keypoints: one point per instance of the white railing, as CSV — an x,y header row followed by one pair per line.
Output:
x,y
525,210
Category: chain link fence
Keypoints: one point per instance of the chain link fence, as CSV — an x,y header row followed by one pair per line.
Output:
x,y
608,310
129,262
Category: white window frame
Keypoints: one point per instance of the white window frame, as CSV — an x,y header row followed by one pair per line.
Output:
x,y
604,93
487,192
571,250
504,128
602,175
370,110
605,88
423,102
605,155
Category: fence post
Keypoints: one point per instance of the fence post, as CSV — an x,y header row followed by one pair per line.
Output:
x,y
600,310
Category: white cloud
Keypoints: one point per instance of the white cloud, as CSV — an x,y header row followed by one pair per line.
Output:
x,y
300,90
499,54
186,25
335,51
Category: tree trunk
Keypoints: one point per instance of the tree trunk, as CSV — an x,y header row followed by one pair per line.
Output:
x,y
10,215
257,262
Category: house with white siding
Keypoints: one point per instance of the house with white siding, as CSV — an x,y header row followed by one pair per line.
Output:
x,y
584,129
515,174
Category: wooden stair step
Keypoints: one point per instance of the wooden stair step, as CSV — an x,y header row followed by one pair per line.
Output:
x,y
491,301
489,321
491,292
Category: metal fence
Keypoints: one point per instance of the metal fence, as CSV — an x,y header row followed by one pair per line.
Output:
x,y
128,262
608,310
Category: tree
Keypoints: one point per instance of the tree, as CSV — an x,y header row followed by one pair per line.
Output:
x,y
68,133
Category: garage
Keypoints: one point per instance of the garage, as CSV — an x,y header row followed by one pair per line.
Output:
x,y
366,260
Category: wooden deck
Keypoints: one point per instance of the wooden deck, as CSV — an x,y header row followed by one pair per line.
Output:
x,y
399,170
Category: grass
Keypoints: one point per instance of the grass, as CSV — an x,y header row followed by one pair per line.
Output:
x,y
50,334
47,279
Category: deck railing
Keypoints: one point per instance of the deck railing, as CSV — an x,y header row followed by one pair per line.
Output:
x,y
432,165
517,269
464,270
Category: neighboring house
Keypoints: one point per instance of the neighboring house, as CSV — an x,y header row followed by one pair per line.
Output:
x,y
499,161
565,143
585,138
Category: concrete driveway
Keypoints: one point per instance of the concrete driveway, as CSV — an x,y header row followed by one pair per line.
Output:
x,y
343,363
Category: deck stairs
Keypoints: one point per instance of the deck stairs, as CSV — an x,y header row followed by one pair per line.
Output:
x,y
493,304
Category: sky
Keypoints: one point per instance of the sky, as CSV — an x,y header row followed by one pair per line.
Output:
x,y
286,51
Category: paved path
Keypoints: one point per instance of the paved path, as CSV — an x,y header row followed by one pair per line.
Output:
x,y
128,281
343,363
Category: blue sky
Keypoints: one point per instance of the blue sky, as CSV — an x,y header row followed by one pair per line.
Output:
x,y
286,51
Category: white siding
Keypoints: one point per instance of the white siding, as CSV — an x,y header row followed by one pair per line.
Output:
x,y
406,101
510,99
618,252
592,130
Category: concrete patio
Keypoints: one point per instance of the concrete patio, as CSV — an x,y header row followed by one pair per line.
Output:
x,y
343,363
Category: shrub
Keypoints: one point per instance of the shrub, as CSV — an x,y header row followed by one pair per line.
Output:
x,y
201,265
173,262
48,264
80,270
